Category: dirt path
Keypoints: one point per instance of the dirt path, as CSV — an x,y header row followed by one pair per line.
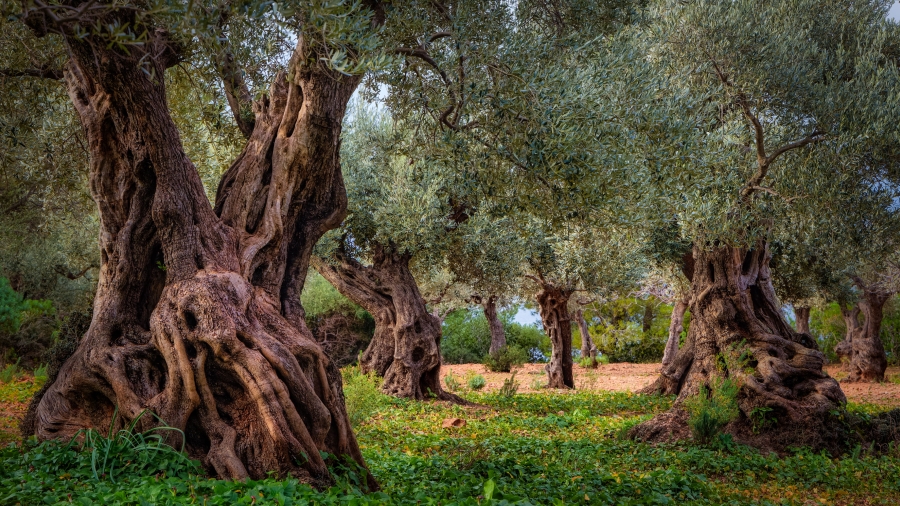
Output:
x,y
632,377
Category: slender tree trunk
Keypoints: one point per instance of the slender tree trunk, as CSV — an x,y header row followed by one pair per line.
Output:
x,y
197,315
738,331
553,303
867,359
405,349
676,326
844,349
648,317
802,315
587,346
498,337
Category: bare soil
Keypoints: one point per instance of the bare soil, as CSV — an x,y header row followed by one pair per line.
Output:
x,y
633,377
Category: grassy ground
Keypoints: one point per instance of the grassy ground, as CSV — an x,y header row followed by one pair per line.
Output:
x,y
540,448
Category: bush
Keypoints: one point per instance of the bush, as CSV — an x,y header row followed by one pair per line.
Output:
x,y
712,409
452,383
467,338
477,382
505,359
10,372
342,328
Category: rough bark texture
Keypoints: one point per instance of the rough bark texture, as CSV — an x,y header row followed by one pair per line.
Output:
x,y
197,315
498,337
802,315
676,326
553,303
405,349
867,359
587,346
738,331
851,322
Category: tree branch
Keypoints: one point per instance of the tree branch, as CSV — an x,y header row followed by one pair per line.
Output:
x,y
45,72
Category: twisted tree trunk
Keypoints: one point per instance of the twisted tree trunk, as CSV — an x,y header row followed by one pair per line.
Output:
x,y
553,303
738,331
498,337
197,315
406,347
587,346
867,359
844,349
802,315
676,326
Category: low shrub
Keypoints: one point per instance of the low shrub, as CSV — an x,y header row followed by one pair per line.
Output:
x,y
510,386
362,394
10,372
477,382
452,383
712,409
504,359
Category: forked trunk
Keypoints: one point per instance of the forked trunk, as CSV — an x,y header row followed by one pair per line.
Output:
x,y
844,349
498,337
676,327
197,315
801,314
405,349
738,331
587,346
867,359
553,303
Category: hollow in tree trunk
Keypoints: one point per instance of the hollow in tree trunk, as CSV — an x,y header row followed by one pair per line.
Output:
x,y
676,326
587,346
553,303
498,337
844,349
197,314
867,359
802,317
738,331
405,349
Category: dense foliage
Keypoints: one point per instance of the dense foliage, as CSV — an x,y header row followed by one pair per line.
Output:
x,y
467,337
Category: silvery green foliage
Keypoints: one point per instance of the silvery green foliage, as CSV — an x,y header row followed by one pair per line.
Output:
x,y
820,78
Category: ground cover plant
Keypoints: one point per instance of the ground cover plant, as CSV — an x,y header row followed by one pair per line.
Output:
x,y
546,448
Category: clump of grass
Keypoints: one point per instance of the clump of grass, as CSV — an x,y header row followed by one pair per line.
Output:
x,y
10,372
477,382
40,374
510,386
537,384
362,394
712,409
452,383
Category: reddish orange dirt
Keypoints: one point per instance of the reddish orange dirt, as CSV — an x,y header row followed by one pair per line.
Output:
x,y
632,377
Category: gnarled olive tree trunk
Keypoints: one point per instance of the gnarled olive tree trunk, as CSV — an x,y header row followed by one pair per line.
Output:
x,y
676,326
498,337
867,359
405,349
802,315
587,346
738,331
553,303
197,315
844,349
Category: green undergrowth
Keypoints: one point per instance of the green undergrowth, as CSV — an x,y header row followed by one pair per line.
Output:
x,y
547,448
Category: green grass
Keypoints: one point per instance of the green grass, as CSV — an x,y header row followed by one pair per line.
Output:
x,y
547,448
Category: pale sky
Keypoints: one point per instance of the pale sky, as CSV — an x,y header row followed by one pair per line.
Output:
x,y
895,12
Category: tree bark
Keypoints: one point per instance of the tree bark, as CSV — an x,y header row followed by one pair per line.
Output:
x,y
844,349
553,303
587,346
676,326
648,317
197,315
867,359
498,337
405,349
738,331
802,315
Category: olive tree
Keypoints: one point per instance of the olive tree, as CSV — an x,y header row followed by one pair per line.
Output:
x,y
793,108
